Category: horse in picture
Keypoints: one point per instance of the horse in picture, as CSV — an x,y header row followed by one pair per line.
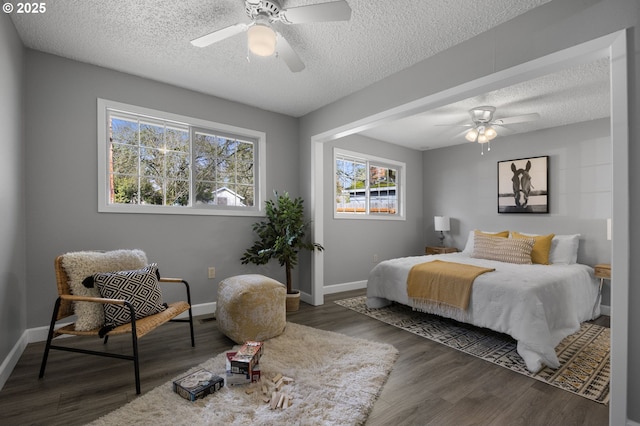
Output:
x,y
521,184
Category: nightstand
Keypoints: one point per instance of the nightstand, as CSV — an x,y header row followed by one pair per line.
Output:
x,y
602,271
440,250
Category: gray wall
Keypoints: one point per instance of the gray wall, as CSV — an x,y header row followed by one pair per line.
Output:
x,y
351,244
61,178
13,302
544,30
462,184
60,174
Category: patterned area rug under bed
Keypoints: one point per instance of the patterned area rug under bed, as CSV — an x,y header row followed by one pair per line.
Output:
x,y
584,356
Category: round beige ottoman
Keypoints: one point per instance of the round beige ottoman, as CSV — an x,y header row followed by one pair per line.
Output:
x,y
251,307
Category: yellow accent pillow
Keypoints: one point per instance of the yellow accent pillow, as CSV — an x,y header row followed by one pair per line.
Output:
x,y
502,234
541,248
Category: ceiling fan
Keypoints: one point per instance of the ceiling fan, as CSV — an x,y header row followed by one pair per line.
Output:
x,y
264,40
483,130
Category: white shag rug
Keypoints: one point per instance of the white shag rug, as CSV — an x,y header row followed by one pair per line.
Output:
x,y
337,379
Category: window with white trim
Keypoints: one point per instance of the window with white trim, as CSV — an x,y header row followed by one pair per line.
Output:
x,y
157,162
367,186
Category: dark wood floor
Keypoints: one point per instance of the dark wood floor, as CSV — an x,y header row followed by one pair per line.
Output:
x,y
429,385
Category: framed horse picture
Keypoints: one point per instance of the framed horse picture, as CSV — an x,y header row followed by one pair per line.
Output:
x,y
523,185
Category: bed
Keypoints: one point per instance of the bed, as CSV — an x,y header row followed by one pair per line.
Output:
x,y
538,305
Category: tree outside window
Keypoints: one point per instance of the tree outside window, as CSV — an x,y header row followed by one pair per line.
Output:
x,y
155,163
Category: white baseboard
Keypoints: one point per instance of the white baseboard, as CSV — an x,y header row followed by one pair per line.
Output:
x,y
306,297
201,309
39,334
11,360
339,288
334,288
632,423
606,310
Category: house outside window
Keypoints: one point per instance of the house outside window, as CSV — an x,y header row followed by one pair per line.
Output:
x,y
157,162
367,187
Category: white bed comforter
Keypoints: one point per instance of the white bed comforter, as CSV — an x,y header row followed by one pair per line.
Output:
x,y
538,305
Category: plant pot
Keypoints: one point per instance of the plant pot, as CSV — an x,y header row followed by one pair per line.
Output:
x,y
293,301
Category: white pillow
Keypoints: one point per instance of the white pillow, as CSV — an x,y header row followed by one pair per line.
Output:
x,y
468,248
564,249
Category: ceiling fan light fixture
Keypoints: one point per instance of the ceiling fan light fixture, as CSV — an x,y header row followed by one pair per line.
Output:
x,y
490,133
261,39
482,114
471,135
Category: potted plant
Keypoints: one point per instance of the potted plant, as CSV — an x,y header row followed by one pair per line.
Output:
x,y
281,236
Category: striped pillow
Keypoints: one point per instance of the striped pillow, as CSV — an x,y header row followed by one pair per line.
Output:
x,y
510,250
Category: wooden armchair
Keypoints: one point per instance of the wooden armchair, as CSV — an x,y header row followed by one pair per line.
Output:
x,y
64,308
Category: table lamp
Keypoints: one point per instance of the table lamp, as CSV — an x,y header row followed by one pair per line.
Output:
x,y
441,223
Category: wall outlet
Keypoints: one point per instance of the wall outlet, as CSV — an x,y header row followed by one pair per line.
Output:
x,y
375,258
212,272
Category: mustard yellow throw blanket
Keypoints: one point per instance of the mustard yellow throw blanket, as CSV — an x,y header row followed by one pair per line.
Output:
x,y
439,283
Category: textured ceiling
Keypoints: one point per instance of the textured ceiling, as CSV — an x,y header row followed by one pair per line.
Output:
x,y
573,95
151,38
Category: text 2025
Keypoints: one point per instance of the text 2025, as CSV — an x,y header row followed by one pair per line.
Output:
x,y
31,7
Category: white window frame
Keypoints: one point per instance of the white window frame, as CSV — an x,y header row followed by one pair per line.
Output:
x,y
400,186
104,206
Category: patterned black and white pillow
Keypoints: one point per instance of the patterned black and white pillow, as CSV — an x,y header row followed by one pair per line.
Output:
x,y
138,287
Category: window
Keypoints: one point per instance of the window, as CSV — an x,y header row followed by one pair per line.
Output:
x,y
368,187
156,162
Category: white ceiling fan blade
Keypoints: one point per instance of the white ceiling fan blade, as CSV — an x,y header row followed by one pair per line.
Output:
x,y
455,125
505,130
518,119
288,55
219,35
461,134
322,12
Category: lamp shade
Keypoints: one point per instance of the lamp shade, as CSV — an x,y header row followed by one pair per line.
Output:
x,y
261,40
441,223
490,133
471,135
